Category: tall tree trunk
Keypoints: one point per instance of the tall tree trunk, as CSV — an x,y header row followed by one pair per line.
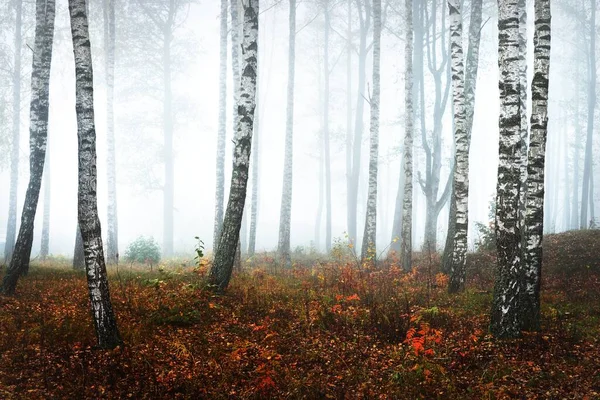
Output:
x,y
78,256
221,134
406,249
472,67
220,273
522,4
587,165
567,185
286,196
369,245
45,245
577,152
399,203
326,147
349,210
38,134
365,22
461,158
112,237
105,323
505,307
534,229
255,179
11,228
169,186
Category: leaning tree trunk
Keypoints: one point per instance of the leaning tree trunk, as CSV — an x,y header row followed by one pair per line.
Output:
x,y
586,193
221,134
369,245
220,273
534,217
472,66
406,248
45,245
78,255
112,242
505,307
286,196
461,157
38,134
11,227
105,323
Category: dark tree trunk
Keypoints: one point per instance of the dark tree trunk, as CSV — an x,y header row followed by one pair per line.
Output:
x,y
38,134
78,256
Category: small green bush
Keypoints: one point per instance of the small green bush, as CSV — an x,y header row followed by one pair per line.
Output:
x,y
143,250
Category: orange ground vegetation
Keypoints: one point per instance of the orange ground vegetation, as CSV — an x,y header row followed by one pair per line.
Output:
x,y
320,330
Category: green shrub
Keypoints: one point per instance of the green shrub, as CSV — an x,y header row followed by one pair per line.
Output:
x,y
143,250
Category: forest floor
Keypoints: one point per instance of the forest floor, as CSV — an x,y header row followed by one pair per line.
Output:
x,y
325,329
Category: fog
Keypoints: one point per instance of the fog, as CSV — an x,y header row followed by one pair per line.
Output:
x,y
195,89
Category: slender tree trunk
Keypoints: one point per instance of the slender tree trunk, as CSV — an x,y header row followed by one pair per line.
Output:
x,y
534,229
11,227
349,210
286,196
112,237
369,245
472,67
78,256
45,245
169,187
220,273
221,134
577,156
406,249
505,307
38,134
567,185
397,227
255,180
587,194
461,158
326,147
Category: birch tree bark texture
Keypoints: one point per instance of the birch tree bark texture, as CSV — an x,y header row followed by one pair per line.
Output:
x,y
534,217
504,322
104,319
369,245
220,273
38,134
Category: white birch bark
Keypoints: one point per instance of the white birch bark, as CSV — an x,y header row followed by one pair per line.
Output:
x,y
38,134
406,248
11,228
369,245
505,307
112,242
522,4
220,273
461,158
534,229
105,324
221,134
286,196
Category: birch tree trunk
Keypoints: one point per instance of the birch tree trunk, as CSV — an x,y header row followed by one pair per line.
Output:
x,y
326,147
505,307
472,67
406,249
286,196
534,228
11,227
522,4
349,211
586,193
461,158
169,186
220,273
112,242
45,245
105,323
78,255
38,134
369,245
255,179
221,134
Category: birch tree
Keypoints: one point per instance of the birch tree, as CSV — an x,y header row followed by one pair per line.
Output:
x,y
78,255
406,248
38,134
105,323
221,134
220,273
505,307
112,242
11,227
45,244
326,147
286,196
368,249
534,217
